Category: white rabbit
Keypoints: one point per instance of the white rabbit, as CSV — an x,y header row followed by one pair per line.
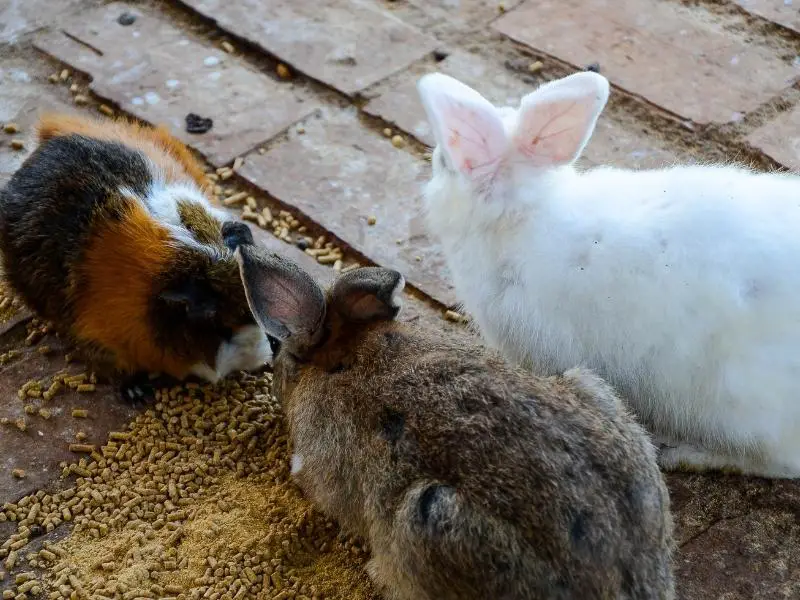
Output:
x,y
680,285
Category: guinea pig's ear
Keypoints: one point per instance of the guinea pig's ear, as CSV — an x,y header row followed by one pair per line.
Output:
x,y
193,297
369,293
284,299
236,233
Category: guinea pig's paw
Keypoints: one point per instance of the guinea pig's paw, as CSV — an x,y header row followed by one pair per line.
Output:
x,y
137,389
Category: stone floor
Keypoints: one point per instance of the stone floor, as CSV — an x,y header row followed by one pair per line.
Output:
x,y
315,102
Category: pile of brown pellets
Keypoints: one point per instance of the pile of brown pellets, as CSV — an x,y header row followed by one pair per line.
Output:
x,y
194,500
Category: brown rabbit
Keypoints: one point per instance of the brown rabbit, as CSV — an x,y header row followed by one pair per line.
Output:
x,y
470,479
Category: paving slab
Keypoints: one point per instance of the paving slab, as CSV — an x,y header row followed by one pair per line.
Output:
x,y
782,12
156,72
339,173
25,115
780,138
346,44
464,13
612,142
21,17
739,537
672,56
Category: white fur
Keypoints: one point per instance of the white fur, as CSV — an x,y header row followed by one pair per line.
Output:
x,y
296,463
248,350
396,299
679,286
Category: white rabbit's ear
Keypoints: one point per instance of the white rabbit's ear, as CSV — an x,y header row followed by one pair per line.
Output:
x,y
466,126
556,121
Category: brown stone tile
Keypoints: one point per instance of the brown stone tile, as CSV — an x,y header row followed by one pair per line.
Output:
x,y
346,44
780,138
339,173
462,13
782,12
24,95
659,50
612,143
156,72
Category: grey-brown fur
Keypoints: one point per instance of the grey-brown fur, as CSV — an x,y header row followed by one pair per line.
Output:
x,y
470,479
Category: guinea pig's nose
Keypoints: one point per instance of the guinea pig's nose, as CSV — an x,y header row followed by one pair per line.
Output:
x,y
236,233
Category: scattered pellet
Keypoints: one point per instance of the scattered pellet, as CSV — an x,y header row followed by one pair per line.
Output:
x,y
80,99
106,110
64,75
283,71
387,132
18,473
11,128
398,141
17,145
372,219
80,413
535,66
86,387
227,46
237,198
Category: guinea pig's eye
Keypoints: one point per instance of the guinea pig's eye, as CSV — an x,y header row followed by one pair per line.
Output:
x,y
274,345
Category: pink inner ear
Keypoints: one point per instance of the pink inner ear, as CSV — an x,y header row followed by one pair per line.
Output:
x,y
553,133
474,138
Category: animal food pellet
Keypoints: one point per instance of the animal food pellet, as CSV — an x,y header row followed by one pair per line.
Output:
x,y
80,99
454,316
53,78
80,413
64,75
19,474
237,198
283,71
44,413
85,448
237,163
227,46
106,110
17,144
11,128
86,387
398,141
535,66
74,88
371,220
387,132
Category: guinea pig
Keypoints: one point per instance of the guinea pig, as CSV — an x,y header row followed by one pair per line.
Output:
x,y
470,478
107,232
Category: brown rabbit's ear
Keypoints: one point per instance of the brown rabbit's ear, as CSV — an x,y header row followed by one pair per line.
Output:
x,y
284,299
369,293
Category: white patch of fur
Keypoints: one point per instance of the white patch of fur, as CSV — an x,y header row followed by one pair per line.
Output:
x,y
296,463
248,350
396,299
204,371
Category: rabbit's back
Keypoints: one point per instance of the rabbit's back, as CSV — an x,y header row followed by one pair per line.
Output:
x,y
484,481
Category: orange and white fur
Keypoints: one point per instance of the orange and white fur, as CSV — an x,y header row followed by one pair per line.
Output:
x,y
106,230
